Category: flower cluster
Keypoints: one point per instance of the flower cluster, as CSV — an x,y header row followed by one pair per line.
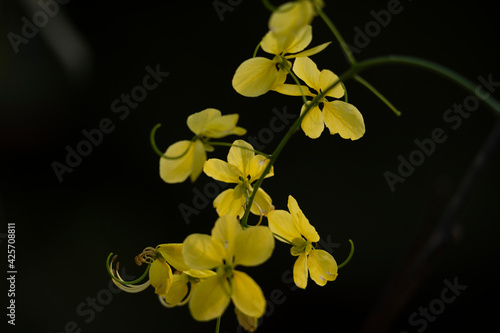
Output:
x,y
202,271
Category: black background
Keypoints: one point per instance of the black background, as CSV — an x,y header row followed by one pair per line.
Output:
x,y
114,200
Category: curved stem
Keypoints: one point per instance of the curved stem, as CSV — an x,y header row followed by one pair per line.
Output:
x,y
349,74
377,93
255,51
337,35
158,151
226,144
269,6
348,257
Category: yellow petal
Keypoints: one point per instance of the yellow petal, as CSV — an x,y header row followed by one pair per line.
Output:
x,y
300,271
197,121
253,246
292,90
281,223
322,267
209,299
313,123
219,127
290,17
226,231
326,79
344,119
247,295
177,171
160,276
222,171
255,77
172,253
199,274
262,203
301,222
230,202
199,158
307,71
178,291
310,52
256,166
202,252
248,323
241,157
299,41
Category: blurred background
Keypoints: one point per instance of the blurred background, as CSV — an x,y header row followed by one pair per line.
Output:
x,y
68,77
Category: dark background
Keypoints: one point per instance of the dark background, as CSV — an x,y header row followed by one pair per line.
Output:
x,y
114,200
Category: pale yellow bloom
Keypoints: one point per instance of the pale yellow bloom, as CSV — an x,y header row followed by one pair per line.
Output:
x,y
206,124
243,167
340,117
290,17
294,228
183,284
228,246
256,76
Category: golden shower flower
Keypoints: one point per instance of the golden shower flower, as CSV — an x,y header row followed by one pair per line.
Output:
x,y
183,284
243,167
228,246
290,17
185,159
340,117
256,76
294,228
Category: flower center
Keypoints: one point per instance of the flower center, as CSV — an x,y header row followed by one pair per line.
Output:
x,y
300,245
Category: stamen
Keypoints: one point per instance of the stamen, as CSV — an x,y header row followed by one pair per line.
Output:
x,y
226,244
147,256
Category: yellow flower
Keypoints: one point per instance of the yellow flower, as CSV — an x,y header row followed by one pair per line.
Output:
x,y
292,16
242,167
256,76
228,246
191,155
340,117
183,284
160,273
294,228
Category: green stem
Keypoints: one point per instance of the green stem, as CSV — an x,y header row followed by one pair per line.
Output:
x,y
255,51
337,35
226,144
158,151
348,257
284,64
349,74
284,239
377,93
268,5
217,325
